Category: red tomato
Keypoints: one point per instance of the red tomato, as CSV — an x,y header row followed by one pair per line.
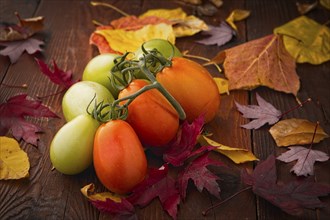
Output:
x,y
119,159
192,86
153,118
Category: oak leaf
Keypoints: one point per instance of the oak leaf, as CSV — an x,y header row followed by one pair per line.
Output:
x,y
305,159
261,62
262,113
14,162
296,132
218,35
306,40
292,197
14,49
237,15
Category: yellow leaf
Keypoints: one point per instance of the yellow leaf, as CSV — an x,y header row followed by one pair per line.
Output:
x,y
127,41
14,162
173,15
238,155
89,192
222,85
237,15
306,40
325,3
295,132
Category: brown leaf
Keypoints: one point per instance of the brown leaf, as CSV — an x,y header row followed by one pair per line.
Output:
x,y
261,62
296,132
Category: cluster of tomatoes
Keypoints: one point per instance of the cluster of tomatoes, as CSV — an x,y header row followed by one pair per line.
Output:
x,y
182,89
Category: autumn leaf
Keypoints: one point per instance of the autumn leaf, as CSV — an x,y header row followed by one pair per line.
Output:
x,y
325,3
292,197
237,15
296,132
14,162
218,35
261,62
13,113
57,76
238,155
305,159
222,85
262,113
305,7
306,40
135,23
15,49
202,178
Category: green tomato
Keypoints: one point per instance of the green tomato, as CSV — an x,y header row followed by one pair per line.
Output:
x,y
77,98
71,150
98,70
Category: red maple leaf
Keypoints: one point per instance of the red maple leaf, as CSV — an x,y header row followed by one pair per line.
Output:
x,y
292,197
57,76
13,113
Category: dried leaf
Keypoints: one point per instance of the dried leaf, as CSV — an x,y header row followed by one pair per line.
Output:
x,y
305,159
238,155
222,85
292,197
15,49
304,8
218,35
325,3
263,113
296,132
13,113
306,40
261,62
207,9
237,15
134,23
14,162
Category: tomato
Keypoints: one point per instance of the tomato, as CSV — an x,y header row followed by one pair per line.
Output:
x,y
71,150
98,70
119,159
153,118
77,98
192,86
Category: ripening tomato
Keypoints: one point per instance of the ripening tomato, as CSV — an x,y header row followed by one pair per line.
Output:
x,y
119,160
153,118
192,86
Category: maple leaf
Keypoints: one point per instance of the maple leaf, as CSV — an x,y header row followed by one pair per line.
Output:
x,y
13,113
305,159
15,49
261,62
263,113
292,197
57,76
200,175
218,35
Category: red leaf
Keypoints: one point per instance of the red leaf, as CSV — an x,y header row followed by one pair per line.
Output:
x,y
200,175
219,35
182,146
15,49
291,197
57,76
123,209
12,115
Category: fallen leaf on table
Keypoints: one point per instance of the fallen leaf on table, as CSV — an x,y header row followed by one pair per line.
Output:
x,y
304,8
222,85
306,40
15,49
238,155
305,159
261,62
207,9
14,162
237,15
296,132
23,30
292,197
202,178
57,76
134,23
13,113
262,113
218,35
325,3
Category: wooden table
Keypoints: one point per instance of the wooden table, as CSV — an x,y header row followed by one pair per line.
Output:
x,y
47,194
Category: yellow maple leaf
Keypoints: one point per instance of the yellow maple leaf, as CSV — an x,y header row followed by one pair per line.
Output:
x,y
14,162
238,155
223,85
237,15
89,192
127,41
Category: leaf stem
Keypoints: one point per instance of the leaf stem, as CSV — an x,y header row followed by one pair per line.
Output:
x,y
205,212
109,6
209,62
23,86
296,107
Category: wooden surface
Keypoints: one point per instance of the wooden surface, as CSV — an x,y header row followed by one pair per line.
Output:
x,y
47,194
